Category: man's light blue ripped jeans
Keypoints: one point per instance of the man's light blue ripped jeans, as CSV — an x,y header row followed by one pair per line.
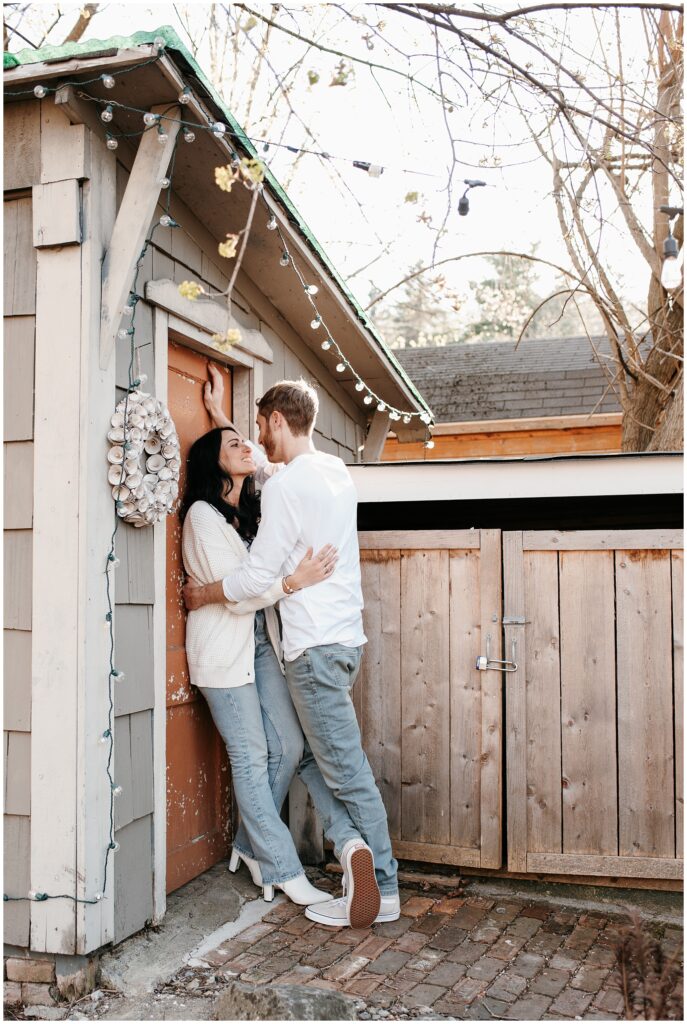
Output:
x,y
334,766
260,728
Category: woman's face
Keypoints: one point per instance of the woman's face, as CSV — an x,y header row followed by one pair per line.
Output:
x,y
235,456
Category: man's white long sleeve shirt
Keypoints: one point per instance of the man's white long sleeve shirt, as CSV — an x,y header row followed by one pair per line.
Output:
x,y
306,504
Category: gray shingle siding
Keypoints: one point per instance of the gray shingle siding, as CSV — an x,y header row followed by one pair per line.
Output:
x,y
495,380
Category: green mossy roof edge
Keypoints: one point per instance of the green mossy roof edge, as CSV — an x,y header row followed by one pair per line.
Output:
x,y
174,43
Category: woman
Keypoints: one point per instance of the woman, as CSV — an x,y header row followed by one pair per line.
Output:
x,y
234,658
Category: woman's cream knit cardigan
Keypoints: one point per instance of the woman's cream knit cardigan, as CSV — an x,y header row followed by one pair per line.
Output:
x,y
220,642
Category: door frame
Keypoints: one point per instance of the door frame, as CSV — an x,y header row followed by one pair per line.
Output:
x,y
247,385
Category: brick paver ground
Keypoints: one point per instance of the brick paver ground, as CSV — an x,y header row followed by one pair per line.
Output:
x,y
466,957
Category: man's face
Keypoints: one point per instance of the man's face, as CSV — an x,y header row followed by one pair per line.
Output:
x,y
269,439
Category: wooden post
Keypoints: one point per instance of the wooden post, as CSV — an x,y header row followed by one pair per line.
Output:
x,y
132,226
376,436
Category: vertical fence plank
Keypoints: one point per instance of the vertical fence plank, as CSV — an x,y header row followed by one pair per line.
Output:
x,y
677,579
465,697
377,692
425,725
543,671
491,758
645,704
588,702
516,705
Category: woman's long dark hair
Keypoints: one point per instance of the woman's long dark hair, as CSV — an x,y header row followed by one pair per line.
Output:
x,y
207,481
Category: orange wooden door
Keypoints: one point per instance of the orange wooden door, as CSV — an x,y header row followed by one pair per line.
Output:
x,y
198,781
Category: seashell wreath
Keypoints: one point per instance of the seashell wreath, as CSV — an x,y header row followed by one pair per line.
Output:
x,y
144,459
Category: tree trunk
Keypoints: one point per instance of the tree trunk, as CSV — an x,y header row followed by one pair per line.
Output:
x,y
85,16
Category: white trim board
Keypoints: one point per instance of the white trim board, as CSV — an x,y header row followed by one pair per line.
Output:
x,y
211,317
566,476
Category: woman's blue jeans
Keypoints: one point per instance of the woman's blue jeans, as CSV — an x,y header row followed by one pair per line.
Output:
x,y
260,728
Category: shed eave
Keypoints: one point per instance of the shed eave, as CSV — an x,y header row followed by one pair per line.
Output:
x,y
50,62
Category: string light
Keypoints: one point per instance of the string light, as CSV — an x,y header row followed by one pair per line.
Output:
x,y
167,222
106,115
284,259
108,81
359,386
316,322
368,399
272,224
340,367
40,92
311,289
188,135
111,142
164,183
185,95
162,135
149,119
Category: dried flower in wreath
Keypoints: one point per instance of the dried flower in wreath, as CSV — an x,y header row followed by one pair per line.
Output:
x,y
228,248
191,290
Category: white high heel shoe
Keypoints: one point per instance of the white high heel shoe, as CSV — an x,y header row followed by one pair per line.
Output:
x,y
299,891
252,865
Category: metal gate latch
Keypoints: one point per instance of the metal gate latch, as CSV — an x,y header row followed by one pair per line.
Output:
x,y
485,661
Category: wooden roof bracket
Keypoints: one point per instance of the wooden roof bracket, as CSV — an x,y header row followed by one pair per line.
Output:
x,y
131,227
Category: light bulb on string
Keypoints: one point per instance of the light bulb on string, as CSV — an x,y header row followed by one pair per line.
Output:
x,y
149,119
315,323
360,386
99,896
105,737
159,43
368,399
106,115
124,333
116,789
128,309
114,846
162,135
185,95
311,289
326,344
429,443
111,142
393,415
108,81
218,129
188,135
164,182
118,676
285,260
381,407
406,419
167,222
340,367
272,223
113,560
425,417
40,92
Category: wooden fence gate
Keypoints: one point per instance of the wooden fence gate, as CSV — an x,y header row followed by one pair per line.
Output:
x,y
431,722
590,630
594,710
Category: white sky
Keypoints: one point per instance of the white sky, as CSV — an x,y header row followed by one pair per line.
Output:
x,y
358,121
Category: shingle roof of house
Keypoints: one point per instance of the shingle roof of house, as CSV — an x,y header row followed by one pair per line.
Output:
x,y
497,381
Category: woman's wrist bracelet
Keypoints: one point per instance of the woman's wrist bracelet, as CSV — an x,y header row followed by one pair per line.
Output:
x,y
285,586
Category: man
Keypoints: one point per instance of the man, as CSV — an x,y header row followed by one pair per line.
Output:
x,y
306,503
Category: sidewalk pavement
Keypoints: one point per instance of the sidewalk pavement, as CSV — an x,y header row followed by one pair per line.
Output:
x,y
458,956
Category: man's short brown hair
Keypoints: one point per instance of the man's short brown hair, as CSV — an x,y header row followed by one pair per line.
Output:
x,y
296,400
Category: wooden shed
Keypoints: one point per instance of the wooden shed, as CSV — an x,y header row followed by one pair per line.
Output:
x,y
543,396
77,214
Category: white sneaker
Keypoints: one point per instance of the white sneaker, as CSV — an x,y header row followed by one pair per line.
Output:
x,y
361,891
334,914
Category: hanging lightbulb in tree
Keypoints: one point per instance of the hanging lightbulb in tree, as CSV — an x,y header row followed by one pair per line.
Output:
x,y
671,272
